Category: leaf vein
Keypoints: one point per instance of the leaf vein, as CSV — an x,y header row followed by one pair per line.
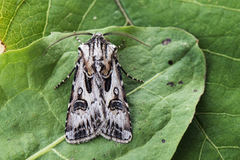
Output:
x,y
84,16
218,114
221,55
219,84
48,10
207,138
12,19
210,5
54,150
51,109
47,148
144,84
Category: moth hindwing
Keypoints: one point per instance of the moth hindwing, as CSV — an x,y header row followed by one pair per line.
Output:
x,y
97,104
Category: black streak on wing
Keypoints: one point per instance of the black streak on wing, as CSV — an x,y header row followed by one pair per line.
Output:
x,y
88,83
76,71
108,83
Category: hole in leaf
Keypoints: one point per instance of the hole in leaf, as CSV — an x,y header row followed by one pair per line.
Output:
x,y
180,82
166,41
170,62
170,83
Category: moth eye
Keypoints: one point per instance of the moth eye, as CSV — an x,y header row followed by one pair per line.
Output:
x,y
80,90
80,104
116,104
116,91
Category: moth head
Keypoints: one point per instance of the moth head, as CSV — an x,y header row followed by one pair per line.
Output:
x,y
99,35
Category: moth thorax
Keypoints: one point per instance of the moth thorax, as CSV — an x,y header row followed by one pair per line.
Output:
x,y
98,68
98,81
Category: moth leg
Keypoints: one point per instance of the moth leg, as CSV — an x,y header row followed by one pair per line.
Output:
x,y
65,78
77,38
121,44
130,76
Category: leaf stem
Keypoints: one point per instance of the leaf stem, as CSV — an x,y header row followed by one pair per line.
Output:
x,y
124,13
84,16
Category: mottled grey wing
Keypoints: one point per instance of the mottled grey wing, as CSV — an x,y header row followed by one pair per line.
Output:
x,y
85,113
117,126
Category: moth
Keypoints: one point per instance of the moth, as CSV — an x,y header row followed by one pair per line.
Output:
x,y
98,104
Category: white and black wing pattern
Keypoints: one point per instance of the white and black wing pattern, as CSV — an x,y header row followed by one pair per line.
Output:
x,y
85,112
117,126
98,104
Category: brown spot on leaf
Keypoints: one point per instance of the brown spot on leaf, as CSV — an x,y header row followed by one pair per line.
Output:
x,y
170,83
195,90
180,82
163,141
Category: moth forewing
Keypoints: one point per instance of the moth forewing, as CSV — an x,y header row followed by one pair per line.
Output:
x,y
97,104
118,124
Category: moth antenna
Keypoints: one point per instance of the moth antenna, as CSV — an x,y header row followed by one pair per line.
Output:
x,y
121,34
75,34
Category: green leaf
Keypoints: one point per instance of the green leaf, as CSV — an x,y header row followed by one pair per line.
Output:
x,y
33,113
25,21
214,133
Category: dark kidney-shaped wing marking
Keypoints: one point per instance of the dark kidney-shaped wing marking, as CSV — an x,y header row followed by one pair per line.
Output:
x,y
117,126
85,114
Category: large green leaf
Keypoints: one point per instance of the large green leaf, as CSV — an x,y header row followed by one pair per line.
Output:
x,y
24,21
33,113
214,133
215,130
